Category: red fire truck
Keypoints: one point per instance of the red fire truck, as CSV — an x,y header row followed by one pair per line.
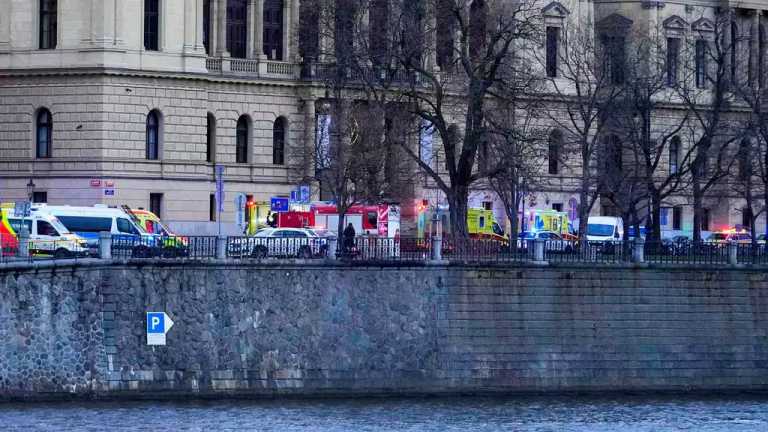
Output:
x,y
382,220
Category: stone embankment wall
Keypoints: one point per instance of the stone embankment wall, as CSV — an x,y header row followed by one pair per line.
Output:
x,y
263,330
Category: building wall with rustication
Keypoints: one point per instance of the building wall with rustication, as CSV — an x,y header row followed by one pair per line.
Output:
x,y
262,330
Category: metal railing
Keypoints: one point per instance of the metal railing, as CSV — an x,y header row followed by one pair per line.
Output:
x,y
686,252
475,250
276,247
381,250
178,247
378,249
606,252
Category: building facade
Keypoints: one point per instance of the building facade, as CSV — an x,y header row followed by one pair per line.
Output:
x,y
136,101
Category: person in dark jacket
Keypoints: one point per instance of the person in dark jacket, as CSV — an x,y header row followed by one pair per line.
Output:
x,y
349,238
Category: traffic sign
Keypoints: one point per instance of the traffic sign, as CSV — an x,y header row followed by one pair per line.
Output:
x,y
219,171
158,324
306,194
22,209
279,205
240,201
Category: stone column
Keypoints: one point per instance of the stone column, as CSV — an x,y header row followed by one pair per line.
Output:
x,y
327,28
5,26
190,26
251,49
287,24
221,34
292,53
754,52
728,44
199,27
310,126
430,36
213,31
259,33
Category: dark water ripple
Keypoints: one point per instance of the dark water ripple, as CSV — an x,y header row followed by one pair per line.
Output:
x,y
529,414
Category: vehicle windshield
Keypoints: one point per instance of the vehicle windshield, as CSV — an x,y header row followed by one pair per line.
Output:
x,y
155,227
600,230
56,223
497,229
265,232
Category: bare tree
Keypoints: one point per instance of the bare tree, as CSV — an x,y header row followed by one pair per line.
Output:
x,y
650,122
518,147
588,83
708,104
388,52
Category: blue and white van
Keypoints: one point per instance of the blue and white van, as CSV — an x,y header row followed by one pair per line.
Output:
x,y
88,222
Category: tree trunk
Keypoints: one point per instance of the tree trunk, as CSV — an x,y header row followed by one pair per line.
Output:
x,y
583,218
458,203
697,206
514,221
656,216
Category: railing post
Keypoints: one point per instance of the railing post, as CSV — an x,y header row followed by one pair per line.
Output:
x,y
733,253
332,248
437,248
221,247
638,250
105,245
24,242
538,249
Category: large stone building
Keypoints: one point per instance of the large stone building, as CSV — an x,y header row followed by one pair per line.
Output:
x,y
135,101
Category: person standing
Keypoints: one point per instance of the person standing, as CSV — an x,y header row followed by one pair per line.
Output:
x,y
349,238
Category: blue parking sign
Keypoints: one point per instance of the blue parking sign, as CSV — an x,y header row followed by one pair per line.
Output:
x,y
155,322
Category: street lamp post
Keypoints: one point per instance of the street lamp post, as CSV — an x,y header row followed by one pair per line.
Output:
x,y
30,190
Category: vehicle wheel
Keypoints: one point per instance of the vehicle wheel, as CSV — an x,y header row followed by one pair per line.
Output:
x,y
170,252
259,252
62,253
141,252
305,252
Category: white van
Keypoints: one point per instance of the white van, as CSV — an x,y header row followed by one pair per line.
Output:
x,y
605,228
47,235
88,222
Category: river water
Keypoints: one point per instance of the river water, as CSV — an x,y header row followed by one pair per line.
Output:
x,y
539,414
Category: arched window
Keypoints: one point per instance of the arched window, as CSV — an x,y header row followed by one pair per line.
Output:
x,y
278,141
478,16
48,24
153,135
237,28
273,29
151,25
674,155
44,134
210,138
241,140
555,147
